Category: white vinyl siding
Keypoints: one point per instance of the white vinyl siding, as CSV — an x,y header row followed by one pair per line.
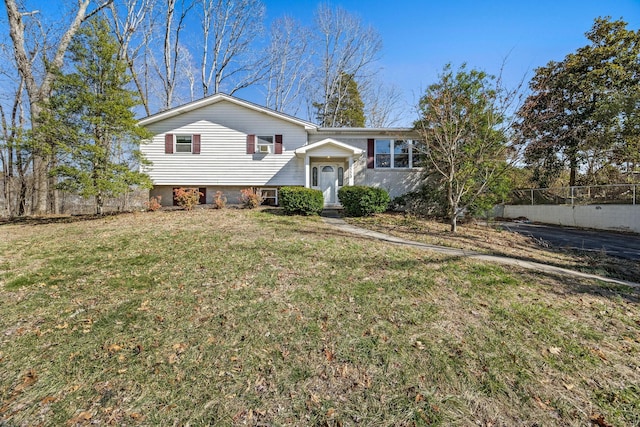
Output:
x,y
223,161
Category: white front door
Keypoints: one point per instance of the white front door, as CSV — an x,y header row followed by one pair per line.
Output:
x,y
328,183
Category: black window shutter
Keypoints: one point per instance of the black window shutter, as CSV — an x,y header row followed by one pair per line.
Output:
x,y
370,153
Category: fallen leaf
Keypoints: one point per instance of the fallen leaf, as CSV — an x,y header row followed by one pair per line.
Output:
x,y
328,354
113,348
64,325
137,416
419,345
179,347
568,386
47,400
599,353
28,379
542,404
598,419
82,416
554,350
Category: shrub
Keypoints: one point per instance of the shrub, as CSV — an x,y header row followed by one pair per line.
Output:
x,y
153,204
219,200
187,198
250,198
300,200
363,201
425,202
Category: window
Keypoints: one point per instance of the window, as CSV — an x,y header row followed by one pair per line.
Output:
x,y
401,154
383,153
269,196
314,177
264,144
396,154
340,176
418,155
327,169
183,143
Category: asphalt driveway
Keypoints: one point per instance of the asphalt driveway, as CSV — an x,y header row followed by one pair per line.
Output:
x,y
620,245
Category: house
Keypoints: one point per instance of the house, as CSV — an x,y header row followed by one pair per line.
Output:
x,y
223,143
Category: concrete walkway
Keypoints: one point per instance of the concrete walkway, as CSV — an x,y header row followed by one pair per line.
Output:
x,y
333,218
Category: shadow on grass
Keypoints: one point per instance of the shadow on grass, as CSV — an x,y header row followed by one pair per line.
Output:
x,y
57,219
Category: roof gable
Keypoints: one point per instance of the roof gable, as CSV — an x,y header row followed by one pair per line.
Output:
x,y
339,147
218,97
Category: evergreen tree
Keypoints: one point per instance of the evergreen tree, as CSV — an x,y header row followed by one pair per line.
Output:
x,y
582,113
344,107
89,117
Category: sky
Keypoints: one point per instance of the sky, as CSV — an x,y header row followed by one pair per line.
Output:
x,y
421,36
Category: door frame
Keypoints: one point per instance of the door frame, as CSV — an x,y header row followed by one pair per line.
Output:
x,y
335,165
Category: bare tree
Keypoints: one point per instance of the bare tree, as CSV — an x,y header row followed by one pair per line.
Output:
x,y
15,159
289,62
348,48
38,90
128,23
189,70
382,104
229,28
172,27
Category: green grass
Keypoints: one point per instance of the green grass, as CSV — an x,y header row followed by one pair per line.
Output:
x,y
238,317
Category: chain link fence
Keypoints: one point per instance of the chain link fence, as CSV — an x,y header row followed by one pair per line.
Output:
x,y
614,194
73,204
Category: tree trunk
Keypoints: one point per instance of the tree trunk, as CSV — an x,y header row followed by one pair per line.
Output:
x,y
99,204
454,223
40,184
573,168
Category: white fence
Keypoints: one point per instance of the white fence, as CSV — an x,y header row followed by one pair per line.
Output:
x,y
601,207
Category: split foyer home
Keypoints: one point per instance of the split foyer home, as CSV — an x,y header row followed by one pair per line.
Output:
x,y
223,143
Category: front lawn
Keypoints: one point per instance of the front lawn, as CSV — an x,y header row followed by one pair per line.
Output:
x,y
492,239
238,317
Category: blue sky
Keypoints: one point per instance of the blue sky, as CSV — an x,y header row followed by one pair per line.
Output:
x,y
421,36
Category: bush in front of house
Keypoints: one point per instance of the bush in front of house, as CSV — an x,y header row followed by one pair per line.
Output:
x,y
363,201
301,200
219,200
187,198
250,198
153,204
